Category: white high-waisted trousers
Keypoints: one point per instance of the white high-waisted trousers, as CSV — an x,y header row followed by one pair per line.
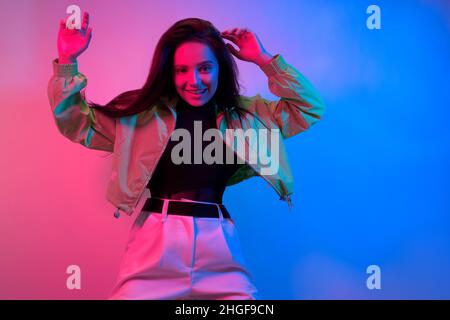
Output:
x,y
172,256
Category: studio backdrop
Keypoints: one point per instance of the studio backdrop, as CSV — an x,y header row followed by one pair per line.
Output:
x,y
370,217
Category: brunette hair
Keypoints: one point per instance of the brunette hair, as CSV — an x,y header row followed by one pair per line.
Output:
x,y
160,82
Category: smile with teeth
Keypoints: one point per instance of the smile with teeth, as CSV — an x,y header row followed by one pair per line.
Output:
x,y
197,92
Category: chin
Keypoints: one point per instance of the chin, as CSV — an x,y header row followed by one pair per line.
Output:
x,y
196,102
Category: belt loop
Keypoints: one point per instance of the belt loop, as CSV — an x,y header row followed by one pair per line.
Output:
x,y
164,209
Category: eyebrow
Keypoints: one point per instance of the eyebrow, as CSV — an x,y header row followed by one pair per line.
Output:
x,y
203,62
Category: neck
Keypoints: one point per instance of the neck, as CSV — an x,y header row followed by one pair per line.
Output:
x,y
208,105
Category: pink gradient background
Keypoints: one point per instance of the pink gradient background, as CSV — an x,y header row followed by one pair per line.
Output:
x,y
52,192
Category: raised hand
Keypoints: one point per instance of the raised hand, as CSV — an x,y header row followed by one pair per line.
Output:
x,y
251,48
73,42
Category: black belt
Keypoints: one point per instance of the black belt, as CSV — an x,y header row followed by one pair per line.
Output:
x,y
194,209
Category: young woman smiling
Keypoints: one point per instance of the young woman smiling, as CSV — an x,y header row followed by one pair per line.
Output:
x,y
183,243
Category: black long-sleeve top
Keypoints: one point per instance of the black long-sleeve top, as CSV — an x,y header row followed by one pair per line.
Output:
x,y
201,182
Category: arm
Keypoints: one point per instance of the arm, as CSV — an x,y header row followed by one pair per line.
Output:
x,y
300,105
74,119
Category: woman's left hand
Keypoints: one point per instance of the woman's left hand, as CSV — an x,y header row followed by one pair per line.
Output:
x,y
251,48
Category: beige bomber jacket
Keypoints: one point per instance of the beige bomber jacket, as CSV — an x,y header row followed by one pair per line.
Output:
x,y
137,142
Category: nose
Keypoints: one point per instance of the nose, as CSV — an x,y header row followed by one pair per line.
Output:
x,y
194,81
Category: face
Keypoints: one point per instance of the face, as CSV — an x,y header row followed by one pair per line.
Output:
x,y
196,73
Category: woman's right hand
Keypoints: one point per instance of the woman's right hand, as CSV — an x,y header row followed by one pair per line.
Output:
x,y
73,42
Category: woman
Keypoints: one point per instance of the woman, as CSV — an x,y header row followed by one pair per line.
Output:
x,y
183,243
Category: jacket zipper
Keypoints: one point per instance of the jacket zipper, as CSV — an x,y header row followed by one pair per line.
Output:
x,y
283,197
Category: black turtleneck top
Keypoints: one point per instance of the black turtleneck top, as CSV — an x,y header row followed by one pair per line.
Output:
x,y
200,182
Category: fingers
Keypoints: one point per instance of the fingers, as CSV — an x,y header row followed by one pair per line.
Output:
x,y
89,34
242,32
235,33
85,23
230,37
231,32
62,24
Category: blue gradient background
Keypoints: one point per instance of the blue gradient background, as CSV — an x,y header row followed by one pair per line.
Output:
x,y
371,177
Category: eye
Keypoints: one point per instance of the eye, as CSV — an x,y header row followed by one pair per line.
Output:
x,y
206,68
203,68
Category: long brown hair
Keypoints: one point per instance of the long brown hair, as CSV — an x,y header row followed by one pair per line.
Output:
x,y
160,81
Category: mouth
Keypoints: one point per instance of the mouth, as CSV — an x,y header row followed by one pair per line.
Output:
x,y
196,93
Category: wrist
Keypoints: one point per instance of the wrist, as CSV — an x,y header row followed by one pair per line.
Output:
x,y
66,60
264,59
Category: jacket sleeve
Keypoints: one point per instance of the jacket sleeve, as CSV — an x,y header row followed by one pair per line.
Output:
x,y
300,105
73,116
